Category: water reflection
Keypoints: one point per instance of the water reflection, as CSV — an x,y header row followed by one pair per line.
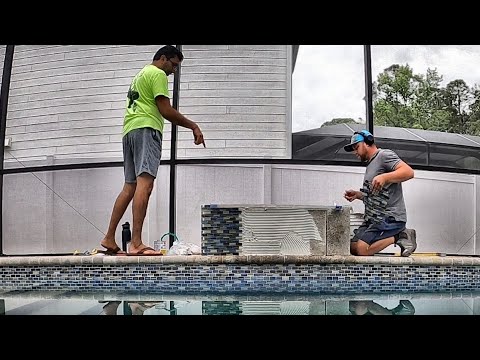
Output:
x,y
136,308
71,303
370,307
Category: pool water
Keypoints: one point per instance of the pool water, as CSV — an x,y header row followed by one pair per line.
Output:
x,y
73,303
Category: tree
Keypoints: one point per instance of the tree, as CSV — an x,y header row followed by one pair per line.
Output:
x,y
428,109
395,94
404,99
457,100
337,121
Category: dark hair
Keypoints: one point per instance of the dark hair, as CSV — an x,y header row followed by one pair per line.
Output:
x,y
169,51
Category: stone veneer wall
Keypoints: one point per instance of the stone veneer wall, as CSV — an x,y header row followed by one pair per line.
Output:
x,y
221,308
221,230
275,274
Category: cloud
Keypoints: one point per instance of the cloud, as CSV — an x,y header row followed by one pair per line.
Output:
x,y
329,80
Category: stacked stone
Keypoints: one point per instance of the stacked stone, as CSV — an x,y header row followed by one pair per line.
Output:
x,y
221,308
375,204
221,230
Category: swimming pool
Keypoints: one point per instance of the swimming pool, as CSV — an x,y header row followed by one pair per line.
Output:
x,y
123,304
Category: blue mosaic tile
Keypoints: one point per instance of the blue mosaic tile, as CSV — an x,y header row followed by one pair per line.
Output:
x,y
308,278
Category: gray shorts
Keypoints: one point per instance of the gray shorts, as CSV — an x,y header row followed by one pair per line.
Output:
x,y
142,150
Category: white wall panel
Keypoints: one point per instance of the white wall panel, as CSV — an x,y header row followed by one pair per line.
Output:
x,y
80,90
58,212
67,102
232,85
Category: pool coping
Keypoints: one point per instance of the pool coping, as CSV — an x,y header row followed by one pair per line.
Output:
x,y
238,259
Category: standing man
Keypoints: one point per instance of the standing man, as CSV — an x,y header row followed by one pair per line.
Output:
x,y
147,105
385,213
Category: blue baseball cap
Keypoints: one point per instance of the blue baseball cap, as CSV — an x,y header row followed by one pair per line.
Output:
x,y
356,138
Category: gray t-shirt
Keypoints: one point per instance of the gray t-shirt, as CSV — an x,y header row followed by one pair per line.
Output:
x,y
384,162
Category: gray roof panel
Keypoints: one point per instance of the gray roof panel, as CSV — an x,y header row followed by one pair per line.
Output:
x,y
442,137
389,132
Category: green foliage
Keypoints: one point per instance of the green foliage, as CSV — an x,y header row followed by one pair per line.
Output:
x,y
337,121
402,98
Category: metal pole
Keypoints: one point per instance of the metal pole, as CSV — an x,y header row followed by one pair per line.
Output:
x,y
173,155
368,86
7,74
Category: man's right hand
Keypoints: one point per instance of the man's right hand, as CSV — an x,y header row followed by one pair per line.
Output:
x,y
351,195
198,136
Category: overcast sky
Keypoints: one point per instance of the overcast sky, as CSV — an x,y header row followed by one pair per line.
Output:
x,y
329,80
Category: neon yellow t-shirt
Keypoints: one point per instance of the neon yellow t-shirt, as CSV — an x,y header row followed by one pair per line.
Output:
x,y
141,108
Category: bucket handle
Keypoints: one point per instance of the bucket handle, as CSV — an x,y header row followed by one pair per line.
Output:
x,y
167,234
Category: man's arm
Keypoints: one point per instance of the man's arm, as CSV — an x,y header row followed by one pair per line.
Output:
x,y
175,117
351,195
402,172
